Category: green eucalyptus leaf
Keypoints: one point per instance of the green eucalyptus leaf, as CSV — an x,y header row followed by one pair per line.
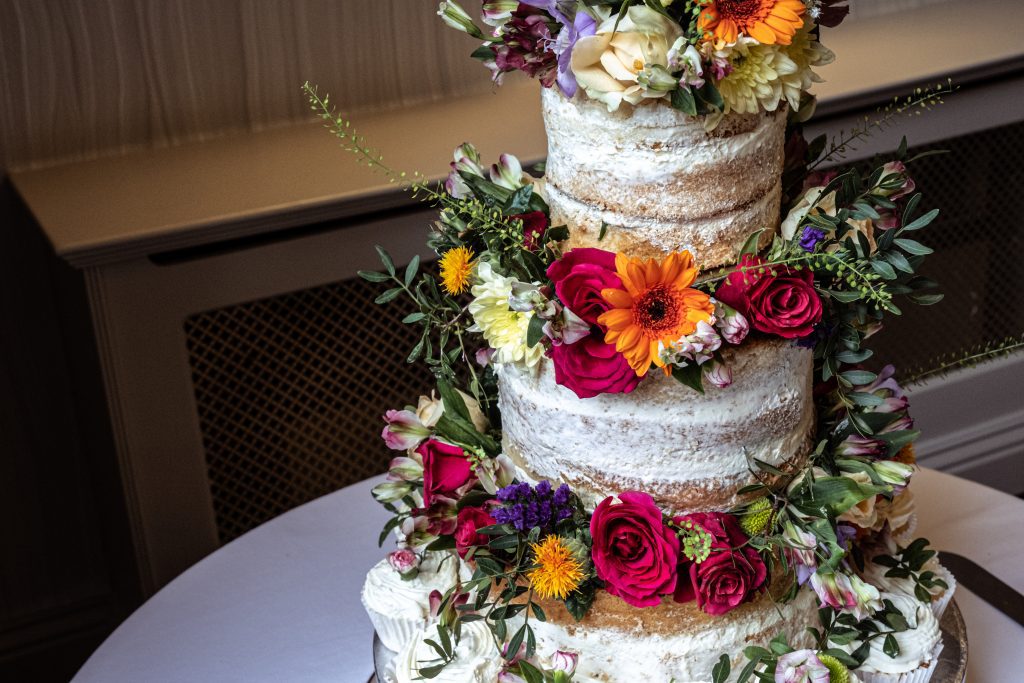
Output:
x,y
385,258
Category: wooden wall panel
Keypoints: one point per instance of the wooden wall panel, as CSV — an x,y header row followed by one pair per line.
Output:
x,y
79,79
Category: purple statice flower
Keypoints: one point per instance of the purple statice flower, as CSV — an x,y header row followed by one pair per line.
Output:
x,y
525,507
811,237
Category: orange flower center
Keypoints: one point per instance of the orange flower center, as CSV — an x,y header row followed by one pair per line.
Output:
x,y
739,10
658,310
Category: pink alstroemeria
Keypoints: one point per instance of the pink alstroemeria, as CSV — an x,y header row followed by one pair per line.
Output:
x,y
801,666
564,661
731,323
886,388
855,444
404,468
834,589
465,159
896,180
404,430
717,374
799,551
867,598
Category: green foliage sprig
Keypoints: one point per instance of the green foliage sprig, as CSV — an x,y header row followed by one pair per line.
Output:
x,y
970,357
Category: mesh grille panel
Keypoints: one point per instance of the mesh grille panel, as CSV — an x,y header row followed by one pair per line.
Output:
x,y
979,249
290,391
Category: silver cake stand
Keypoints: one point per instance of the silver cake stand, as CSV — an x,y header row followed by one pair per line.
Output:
x,y
952,666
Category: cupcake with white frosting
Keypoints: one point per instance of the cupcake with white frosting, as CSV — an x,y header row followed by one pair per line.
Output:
x,y
476,659
919,646
398,602
875,574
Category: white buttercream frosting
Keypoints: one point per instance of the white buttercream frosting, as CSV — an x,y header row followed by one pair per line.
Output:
x,y
477,659
388,593
917,644
612,655
663,438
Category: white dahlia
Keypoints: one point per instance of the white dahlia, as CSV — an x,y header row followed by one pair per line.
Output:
x,y
757,76
504,329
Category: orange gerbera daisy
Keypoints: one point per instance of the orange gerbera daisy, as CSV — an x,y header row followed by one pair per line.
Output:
x,y
656,305
766,21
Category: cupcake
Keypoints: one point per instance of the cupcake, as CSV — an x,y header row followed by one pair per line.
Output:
x,y
940,597
396,593
919,646
476,659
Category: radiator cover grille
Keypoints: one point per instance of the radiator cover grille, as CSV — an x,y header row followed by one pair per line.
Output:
x,y
290,390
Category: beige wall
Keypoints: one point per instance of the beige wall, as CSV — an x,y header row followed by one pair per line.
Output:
x,y
80,78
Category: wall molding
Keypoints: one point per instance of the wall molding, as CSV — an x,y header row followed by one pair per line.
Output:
x,y
972,423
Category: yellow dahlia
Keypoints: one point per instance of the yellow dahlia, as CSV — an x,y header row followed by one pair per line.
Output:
x,y
556,571
456,267
655,306
768,22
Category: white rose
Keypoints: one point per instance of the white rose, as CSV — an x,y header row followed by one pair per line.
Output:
x,y
607,64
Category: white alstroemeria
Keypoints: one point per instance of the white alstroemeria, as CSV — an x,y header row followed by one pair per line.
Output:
x,y
698,347
685,58
732,324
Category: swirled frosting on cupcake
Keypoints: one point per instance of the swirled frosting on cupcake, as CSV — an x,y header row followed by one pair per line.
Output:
x,y
400,607
476,658
917,644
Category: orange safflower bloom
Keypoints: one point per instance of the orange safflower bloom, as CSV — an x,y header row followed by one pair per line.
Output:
x,y
656,305
766,21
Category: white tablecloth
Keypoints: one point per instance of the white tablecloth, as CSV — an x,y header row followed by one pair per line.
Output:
x,y
281,603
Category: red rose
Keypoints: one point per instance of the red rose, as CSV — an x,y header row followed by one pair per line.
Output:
x,y
579,276
784,304
445,470
591,367
730,575
634,552
534,225
470,519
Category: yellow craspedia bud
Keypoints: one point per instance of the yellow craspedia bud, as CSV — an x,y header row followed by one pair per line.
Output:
x,y
837,671
758,517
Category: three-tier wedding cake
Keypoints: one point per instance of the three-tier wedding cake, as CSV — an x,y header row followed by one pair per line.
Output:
x,y
659,448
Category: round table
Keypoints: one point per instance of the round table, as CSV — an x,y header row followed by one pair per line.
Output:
x,y
281,603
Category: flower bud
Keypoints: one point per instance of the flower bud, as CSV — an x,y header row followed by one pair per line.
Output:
x,y
717,374
657,78
496,12
405,469
390,491
404,430
866,597
507,173
456,17
893,472
404,560
731,323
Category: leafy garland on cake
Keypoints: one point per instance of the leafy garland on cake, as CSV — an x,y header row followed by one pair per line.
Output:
x,y
506,293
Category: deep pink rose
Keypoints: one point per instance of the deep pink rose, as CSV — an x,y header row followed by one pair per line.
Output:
x,y
470,519
579,276
634,552
730,575
784,304
445,470
534,225
591,367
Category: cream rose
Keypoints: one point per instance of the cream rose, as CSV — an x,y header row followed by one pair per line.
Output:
x,y
863,514
609,63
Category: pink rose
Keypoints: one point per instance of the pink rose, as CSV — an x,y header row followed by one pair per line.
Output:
x,y
534,225
634,552
445,470
591,367
469,520
579,276
730,575
784,304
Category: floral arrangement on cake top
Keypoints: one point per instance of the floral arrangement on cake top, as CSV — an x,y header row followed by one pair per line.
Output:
x,y
835,523
706,57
